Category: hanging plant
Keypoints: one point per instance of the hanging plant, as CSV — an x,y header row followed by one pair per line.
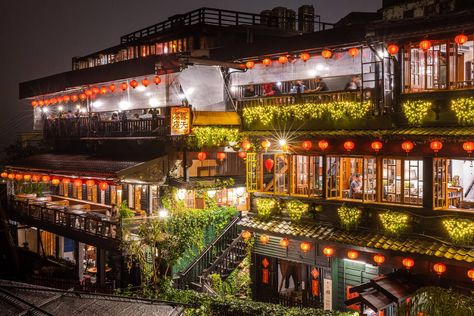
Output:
x,y
464,110
416,111
265,207
296,209
395,223
349,217
211,136
460,231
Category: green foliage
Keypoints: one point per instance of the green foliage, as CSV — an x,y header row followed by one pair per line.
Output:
x,y
265,207
416,111
460,231
337,110
464,110
212,136
395,223
349,217
125,211
296,209
436,301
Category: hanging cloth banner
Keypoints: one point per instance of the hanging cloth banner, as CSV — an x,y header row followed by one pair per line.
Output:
x,y
315,282
265,272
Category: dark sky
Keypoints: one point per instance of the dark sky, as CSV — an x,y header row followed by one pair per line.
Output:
x,y
40,37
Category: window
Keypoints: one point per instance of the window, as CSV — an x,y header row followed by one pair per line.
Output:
x,y
402,181
275,173
307,175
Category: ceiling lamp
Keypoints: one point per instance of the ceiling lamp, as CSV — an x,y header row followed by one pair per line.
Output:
x,y
393,49
376,146
407,146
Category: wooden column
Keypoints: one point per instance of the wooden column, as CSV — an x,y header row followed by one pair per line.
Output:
x,y
79,257
100,264
324,167
428,183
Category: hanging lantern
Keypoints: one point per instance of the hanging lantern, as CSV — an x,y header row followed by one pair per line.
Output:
x,y
40,102
284,242
246,234
353,52
35,178
157,80
407,146
282,60
145,82
461,39
470,274
133,84
46,102
326,54
201,156
314,282
66,181
265,272
242,154
123,86
103,186
59,98
305,246
408,263
11,176
269,164
27,177
376,146
267,62
53,101
221,156
78,183
249,64
439,268
468,147
246,145
352,254
307,145
34,103
112,88
95,90
55,181
4,175
305,57
323,145
90,183
349,145
88,92
328,251
436,145
18,177
379,259
45,178
66,98
425,45
74,98
266,144
264,239
82,96
103,90
393,49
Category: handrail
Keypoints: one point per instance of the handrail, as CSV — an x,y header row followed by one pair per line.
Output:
x,y
217,262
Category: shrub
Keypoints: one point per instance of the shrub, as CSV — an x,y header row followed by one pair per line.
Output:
x,y
296,209
395,223
459,230
265,207
349,217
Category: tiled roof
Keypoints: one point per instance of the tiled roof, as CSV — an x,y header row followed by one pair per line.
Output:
x,y
413,245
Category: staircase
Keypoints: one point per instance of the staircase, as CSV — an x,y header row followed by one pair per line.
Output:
x,y
222,256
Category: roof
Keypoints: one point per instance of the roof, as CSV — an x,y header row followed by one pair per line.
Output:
x,y
19,298
206,118
413,245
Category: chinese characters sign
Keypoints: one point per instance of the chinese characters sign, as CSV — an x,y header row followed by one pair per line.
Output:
x,y
180,121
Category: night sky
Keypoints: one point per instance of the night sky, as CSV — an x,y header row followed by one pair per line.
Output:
x,y
40,37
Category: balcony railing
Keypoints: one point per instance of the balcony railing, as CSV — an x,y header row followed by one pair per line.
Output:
x,y
90,127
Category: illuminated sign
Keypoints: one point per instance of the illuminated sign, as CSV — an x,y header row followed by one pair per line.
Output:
x,y
180,121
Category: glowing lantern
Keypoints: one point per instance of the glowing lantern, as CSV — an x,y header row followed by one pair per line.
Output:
x,y
323,145
266,144
41,103
145,82
326,54
123,86
90,183
35,178
267,62
53,101
201,156
74,98
18,177
60,99
307,145
353,52
284,242
27,177
103,90
77,183
460,39
282,60
242,154
157,80
393,49
46,102
34,103
66,181
45,178
220,156
264,239
439,268
352,254
407,146
246,234
133,84
379,259
4,175
55,181
88,92
66,98
112,88
349,145
425,45
408,263
328,251
269,164
82,96
246,145
305,246
95,90
11,176
436,145
305,57
470,274
103,186
376,146
468,147
249,64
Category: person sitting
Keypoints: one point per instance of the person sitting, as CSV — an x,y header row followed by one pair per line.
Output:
x,y
355,185
298,87
270,89
114,117
354,84
249,91
319,85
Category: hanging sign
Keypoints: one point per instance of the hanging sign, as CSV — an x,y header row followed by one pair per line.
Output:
x,y
327,301
180,120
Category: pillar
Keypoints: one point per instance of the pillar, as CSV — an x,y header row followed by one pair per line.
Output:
x,y
100,263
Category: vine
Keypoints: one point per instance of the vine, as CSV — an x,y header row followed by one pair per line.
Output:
x,y
416,111
349,217
460,231
464,110
212,136
296,209
265,207
395,223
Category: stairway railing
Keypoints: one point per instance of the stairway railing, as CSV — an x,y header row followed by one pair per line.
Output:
x,y
208,256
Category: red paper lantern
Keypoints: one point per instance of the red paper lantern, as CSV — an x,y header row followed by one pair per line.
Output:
x,y
328,251
11,176
352,254
88,92
133,84
379,259
45,178
246,234
393,49
468,147
59,98
103,186
264,239
266,144
66,181
53,101
307,145
103,90
353,52
246,145
78,183
284,242
349,145
34,103
326,54
66,98
439,268
35,178
323,145
90,183
470,274
220,156
436,145
461,39
305,246
269,164
82,96
282,60
18,177
145,82
408,263
425,45
249,64
376,146
407,146
157,80
123,86
201,156
27,177
112,88
305,57
95,90
41,103
4,175
267,62
46,102
242,154
55,181
74,98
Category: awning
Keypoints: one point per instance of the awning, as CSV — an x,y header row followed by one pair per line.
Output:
x,y
204,118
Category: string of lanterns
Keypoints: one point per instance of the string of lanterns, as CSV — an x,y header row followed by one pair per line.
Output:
x,y
77,182
93,91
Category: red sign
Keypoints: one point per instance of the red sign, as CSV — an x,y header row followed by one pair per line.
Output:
x,y
350,295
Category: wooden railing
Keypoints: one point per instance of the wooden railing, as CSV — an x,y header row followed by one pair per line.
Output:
x,y
91,127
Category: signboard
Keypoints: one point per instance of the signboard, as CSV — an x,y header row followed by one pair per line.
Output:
x,y
350,295
180,120
327,300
